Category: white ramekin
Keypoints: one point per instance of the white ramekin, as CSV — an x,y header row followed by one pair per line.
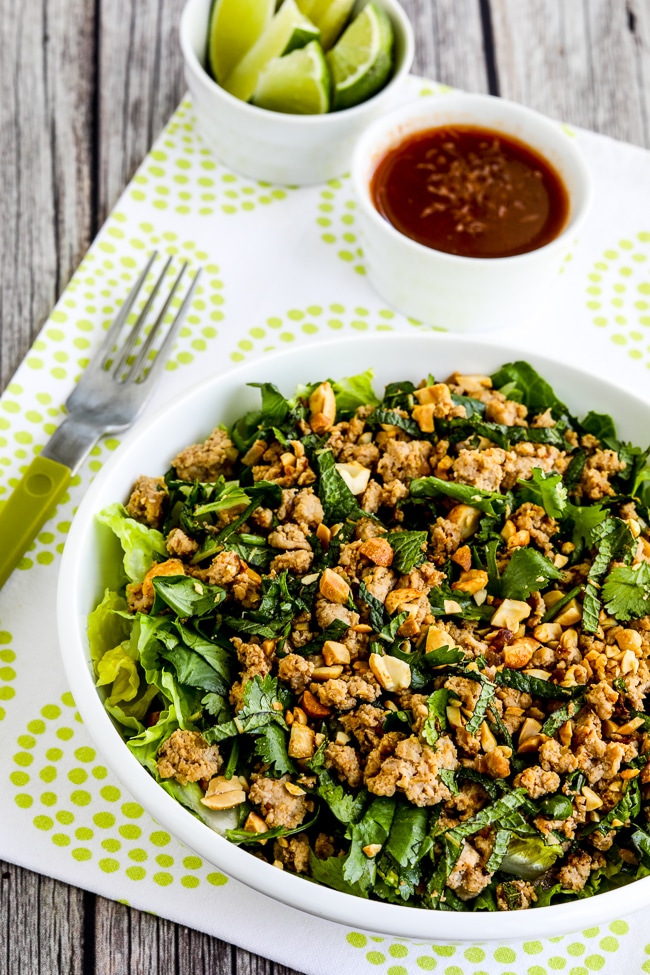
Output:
x,y
297,150
463,293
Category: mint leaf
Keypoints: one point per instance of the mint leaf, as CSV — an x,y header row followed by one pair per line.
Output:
x,y
186,596
614,540
626,591
527,571
372,829
489,502
337,499
546,490
407,549
436,722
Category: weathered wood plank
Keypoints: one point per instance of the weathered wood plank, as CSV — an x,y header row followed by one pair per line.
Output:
x,y
587,64
449,42
41,926
46,84
140,83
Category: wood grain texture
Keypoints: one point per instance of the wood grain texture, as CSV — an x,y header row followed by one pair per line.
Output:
x,y
85,86
46,84
585,63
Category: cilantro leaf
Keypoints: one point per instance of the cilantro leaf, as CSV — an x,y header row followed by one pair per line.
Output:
x,y
264,703
546,490
527,571
330,873
271,746
344,806
489,502
626,591
407,549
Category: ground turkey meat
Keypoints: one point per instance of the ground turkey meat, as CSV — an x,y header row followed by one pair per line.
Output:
x,y
295,671
525,456
207,461
506,411
481,468
279,807
180,544
537,782
327,612
297,561
224,569
345,762
446,538
256,663
594,482
515,895
344,693
602,698
408,765
574,872
379,581
366,724
147,501
293,853
533,519
289,537
469,877
307,510
403,461
187,757
555,757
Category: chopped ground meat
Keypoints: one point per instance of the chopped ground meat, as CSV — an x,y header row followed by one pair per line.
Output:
x,y
469,876
180,544
147,501
403,461
537,782
207,461
187,757
293,853
344,760
279,806
483,469
295,671
411,768
515,895
574,873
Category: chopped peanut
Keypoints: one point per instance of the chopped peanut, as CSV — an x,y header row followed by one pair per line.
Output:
x,y
333,587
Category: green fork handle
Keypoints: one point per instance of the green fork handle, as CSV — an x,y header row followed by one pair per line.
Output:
x,y
27,509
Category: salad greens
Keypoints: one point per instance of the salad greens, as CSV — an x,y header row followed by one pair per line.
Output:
x,y
428,691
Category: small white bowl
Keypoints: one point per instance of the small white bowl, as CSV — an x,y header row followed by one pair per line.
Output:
x,y
297,150
91,552
446,290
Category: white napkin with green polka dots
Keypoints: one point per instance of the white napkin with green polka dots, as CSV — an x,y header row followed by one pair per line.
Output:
x,y
282,267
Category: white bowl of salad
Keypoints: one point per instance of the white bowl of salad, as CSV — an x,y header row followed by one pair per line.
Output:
x,y
388,632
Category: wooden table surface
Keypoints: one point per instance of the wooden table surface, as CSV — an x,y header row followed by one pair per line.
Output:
x,y
85,87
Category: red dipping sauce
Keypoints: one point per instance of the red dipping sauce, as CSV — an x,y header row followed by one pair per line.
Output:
x,y
470,191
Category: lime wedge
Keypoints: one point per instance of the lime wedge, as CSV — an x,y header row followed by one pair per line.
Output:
x,y
288,30
361,61
233,28
298,83
330,16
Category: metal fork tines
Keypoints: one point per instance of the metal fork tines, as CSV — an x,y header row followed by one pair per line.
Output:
x,y
123,372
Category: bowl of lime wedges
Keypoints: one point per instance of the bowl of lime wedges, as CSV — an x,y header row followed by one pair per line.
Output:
x,y
281,95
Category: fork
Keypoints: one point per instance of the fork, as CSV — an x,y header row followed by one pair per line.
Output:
x,y
112,392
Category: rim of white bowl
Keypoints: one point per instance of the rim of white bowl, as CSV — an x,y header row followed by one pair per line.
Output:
x,y
390,920
364,150
399,18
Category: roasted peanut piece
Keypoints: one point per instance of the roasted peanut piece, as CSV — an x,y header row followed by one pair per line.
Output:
x,y
327,673
355,476
378,550
301,741
510,614
322,404
333,587
466,518
392,674
518,653
463,557
335,653
471,581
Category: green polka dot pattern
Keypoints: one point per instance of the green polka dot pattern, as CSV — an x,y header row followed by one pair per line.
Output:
x,y
7,671
618,295
567,954
181,176
67,794
300,324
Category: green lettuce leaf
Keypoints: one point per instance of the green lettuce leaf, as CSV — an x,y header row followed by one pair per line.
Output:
x,y
142,546
108,626
352,392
